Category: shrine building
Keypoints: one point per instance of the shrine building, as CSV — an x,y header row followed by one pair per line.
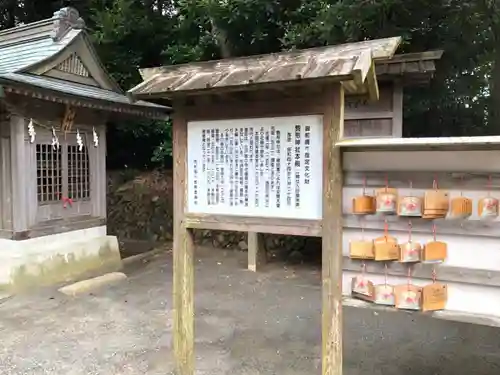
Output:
x,y
55,100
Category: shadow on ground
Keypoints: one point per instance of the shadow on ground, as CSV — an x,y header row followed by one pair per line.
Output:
x,y
246,324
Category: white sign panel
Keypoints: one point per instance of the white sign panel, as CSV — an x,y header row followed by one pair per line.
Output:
x,y
263,167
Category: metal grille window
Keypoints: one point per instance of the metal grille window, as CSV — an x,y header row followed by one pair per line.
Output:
x,y
78,173
49,173
63,172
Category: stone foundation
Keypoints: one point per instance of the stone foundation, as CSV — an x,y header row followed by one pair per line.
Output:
x,y
56,258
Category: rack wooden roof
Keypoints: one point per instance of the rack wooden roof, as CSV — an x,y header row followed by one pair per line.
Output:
x,y
411,68
351,63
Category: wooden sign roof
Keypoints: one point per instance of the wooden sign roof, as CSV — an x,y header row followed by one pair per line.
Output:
x,y
351,63
411,68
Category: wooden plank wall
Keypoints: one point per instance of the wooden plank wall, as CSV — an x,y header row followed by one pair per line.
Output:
x,y
383,118
473,245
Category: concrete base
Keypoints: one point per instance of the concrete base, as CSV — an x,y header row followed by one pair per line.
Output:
x,y
56,258
92,284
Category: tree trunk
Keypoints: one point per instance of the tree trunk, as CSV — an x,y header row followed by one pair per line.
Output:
x,y
220,36
494,102
489,9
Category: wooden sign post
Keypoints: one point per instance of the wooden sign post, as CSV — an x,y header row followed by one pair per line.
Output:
x,y
298,158
254,151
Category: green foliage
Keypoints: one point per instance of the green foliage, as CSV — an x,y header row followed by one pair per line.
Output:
x,y
128,36
142,145
455,104
464,97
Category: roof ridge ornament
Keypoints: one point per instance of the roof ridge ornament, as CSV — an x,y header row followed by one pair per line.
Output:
x,y
65,19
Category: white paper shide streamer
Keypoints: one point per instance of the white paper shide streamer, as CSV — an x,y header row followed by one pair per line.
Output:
x,y
31,131
79,140
55,140
95,137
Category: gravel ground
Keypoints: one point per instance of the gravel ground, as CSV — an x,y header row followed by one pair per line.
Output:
x,y
246,324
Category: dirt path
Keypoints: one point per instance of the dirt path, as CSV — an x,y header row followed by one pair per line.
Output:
x,y
246,324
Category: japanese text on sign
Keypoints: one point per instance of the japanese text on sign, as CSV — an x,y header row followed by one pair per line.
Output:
x,y
267,167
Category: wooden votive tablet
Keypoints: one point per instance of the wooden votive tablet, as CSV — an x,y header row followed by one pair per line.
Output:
x,y
461,208
410,206
408,297
363,205
488,208
410,252
435,252
386,248
361,249
387,199
384,295
434,297
362,288
436,204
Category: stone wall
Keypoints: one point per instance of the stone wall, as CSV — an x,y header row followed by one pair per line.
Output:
x,y
140,209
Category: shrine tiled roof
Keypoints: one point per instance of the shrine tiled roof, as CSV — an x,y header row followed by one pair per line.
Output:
x,y
17,55
106,98
23,49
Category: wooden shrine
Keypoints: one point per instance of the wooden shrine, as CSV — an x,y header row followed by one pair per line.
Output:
x,y
55,101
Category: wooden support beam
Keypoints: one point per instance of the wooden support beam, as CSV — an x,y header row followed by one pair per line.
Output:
x,y
397,105
372,83
290,227
256,251
332,235
183,267
18,133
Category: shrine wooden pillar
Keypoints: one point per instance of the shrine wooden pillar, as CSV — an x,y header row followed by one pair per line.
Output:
x,y
331,325
183,267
